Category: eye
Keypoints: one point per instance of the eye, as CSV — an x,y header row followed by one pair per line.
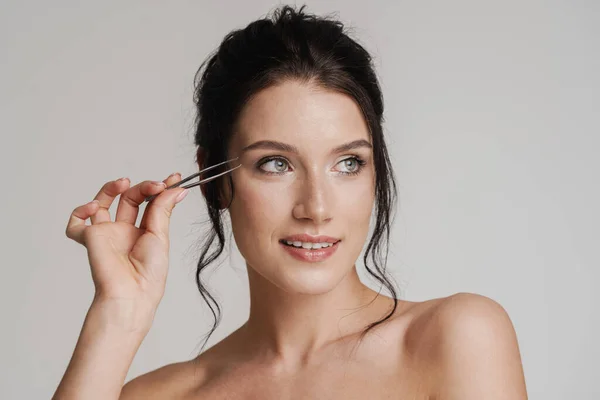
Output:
x,y
277,165
352,165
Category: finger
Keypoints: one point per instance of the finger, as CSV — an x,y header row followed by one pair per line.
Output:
x,y
106,196
171,180
158,212
76,224
130,200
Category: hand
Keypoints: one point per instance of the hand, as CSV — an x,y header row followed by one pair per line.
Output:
x,y
127,262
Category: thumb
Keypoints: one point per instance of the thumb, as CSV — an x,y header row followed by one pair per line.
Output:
x,y
160,209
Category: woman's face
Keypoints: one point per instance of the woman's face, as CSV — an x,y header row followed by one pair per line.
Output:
x,y
295,179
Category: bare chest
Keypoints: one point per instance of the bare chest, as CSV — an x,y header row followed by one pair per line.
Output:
x,y
386,365
374,380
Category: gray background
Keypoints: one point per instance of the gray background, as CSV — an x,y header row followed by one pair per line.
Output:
x,y
492,121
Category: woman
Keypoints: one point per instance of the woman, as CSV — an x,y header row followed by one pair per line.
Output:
x,y
297,103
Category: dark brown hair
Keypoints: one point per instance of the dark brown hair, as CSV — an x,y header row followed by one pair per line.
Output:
x,y
289,45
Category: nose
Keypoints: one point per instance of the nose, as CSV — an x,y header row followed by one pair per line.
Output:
x,y
313,199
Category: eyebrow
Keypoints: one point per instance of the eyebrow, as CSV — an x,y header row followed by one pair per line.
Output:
x,y
275,145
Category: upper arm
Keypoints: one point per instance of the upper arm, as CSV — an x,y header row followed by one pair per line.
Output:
x,y
478,354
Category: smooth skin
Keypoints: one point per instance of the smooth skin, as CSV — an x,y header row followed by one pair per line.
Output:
x,y
300,340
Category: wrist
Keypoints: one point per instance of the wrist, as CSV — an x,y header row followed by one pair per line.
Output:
x,y
129,316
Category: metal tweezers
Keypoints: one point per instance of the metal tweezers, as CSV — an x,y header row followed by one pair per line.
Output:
x,y
150,198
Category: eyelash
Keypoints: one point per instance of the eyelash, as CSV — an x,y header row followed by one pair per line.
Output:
x,y
359,161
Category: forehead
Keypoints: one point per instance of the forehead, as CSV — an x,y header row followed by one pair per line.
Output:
x,y
293,111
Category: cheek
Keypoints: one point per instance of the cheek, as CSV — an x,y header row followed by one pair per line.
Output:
x,y
356,202
260,210
257,210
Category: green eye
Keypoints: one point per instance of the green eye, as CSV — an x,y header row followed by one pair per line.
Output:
x,y
353,164
279,165
349,162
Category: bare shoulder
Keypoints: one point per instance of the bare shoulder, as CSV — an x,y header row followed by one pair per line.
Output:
x,y
172,381
181,380
458,309
470,345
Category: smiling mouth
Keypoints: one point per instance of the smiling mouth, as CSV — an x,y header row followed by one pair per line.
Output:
x,y
301,245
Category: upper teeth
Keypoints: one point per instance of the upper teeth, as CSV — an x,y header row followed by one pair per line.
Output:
x,y
309,245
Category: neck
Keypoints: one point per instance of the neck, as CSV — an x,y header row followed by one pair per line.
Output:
x,y
292,326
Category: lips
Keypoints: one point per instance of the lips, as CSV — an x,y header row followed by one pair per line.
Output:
x,y
303,237
310,255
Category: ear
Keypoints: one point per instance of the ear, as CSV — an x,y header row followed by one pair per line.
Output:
x,y
200,156
225,192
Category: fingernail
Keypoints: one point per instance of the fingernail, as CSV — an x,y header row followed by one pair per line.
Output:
x,y
182,195
121,179
159,183
173,174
